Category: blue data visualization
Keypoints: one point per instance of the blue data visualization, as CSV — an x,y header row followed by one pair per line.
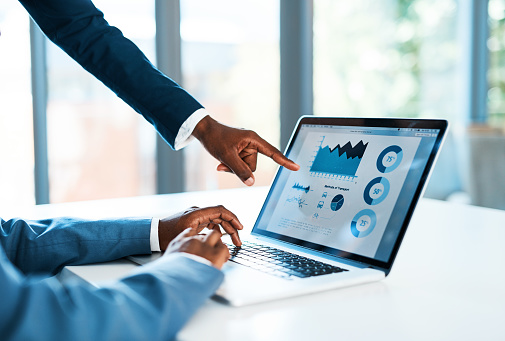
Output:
x,y
341,160
299,187
363,223
337,202
389,159
376,191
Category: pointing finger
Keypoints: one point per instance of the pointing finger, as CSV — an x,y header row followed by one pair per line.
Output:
x,y
267,149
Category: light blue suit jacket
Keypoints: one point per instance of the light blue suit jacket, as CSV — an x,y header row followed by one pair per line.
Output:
x,y
152,303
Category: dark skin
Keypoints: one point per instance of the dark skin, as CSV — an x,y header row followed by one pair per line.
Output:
x,y
237,149
208,246
199,218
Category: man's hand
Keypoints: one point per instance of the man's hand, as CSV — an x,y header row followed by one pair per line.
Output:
x,y
207,246
198,219
237,149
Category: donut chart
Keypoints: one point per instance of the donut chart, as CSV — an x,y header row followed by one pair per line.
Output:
x,y
363,223
389,159
376,191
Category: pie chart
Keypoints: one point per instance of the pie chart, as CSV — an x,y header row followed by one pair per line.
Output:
x,y
337,202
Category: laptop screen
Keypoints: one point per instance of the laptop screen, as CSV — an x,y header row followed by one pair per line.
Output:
x,y
357,186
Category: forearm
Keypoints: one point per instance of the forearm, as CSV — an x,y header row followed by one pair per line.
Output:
x,y
82,32
151,304
48,245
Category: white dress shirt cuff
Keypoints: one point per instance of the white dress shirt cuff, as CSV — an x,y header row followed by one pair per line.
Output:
x,y
184,136
154,240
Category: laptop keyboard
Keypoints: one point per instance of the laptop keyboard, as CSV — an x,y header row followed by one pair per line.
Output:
x,y
277,262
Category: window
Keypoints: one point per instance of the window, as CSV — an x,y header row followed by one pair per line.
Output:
x,y
496,74
385,58
16,133
370,58
391,58
99,147
230,63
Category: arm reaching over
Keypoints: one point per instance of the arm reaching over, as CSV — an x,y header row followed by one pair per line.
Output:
x,y
81,30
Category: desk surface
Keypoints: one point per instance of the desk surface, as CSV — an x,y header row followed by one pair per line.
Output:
x,y
448,281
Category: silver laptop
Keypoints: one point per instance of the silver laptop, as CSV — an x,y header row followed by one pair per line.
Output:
x,y
338,221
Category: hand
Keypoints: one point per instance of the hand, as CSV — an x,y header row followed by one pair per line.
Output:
x,y
198,219
207,246
237,149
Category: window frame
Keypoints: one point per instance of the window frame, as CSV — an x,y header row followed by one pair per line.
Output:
x,y
296,78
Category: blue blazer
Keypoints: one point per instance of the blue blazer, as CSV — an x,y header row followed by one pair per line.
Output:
x,y
80,29
152,303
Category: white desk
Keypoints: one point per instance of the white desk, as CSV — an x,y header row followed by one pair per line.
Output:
x,y
448,282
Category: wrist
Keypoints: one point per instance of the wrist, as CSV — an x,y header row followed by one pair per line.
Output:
x,y
163,236
202,127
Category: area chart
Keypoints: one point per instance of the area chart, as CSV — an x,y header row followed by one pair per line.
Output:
x,y
341,160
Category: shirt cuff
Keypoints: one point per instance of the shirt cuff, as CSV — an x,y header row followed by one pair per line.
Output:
x,y
155,240
184,136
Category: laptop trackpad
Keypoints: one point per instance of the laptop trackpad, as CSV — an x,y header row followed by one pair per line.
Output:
x,y
243,285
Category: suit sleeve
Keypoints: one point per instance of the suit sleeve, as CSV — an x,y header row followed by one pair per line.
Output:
x,y
49,245
80,29
151,304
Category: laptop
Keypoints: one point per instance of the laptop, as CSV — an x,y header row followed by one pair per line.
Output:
x,y
338,221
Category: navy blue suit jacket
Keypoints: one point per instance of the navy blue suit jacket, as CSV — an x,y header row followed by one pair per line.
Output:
x,y
80,29
152,303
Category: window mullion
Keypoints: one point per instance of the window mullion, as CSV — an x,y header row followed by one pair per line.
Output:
x,y
474,33
39,100
296,51
169,164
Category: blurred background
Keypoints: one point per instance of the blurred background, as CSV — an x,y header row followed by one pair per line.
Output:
x,y
260,65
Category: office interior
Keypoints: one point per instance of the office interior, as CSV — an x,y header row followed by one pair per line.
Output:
x,y
259,65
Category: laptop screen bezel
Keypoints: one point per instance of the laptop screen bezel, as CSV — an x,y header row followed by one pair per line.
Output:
x,y
396,123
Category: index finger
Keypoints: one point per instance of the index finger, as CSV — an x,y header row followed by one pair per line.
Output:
x,y
267,149
232,232
217,213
